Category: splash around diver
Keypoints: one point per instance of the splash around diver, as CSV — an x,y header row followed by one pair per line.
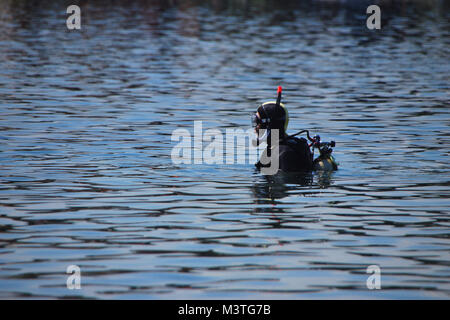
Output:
x,y
294,154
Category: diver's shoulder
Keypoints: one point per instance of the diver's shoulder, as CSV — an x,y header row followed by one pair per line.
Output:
x,y
294,141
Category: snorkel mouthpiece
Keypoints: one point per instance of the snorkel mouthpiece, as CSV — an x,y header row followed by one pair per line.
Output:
x,y
257,140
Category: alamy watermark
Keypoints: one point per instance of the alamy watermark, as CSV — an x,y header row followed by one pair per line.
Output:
x,y
74,280
236,146
374,20
374,280
74,20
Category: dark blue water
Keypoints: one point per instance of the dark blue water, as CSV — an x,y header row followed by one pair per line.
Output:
x,y
86,176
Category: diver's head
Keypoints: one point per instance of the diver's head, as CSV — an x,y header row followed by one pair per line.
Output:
x,y
272,115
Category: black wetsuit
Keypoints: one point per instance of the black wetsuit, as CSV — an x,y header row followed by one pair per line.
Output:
x,y
294,156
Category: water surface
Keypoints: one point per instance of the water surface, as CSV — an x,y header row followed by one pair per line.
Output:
x,y
86,176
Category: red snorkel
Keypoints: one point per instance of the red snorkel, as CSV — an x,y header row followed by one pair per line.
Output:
x,y
280,89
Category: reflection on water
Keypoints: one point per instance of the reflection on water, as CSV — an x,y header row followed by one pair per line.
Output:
x,y
280,185
86,176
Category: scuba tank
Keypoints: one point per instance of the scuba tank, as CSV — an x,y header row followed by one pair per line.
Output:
x,y
325,160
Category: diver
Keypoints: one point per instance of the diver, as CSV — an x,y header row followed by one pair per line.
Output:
x,y
294,154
